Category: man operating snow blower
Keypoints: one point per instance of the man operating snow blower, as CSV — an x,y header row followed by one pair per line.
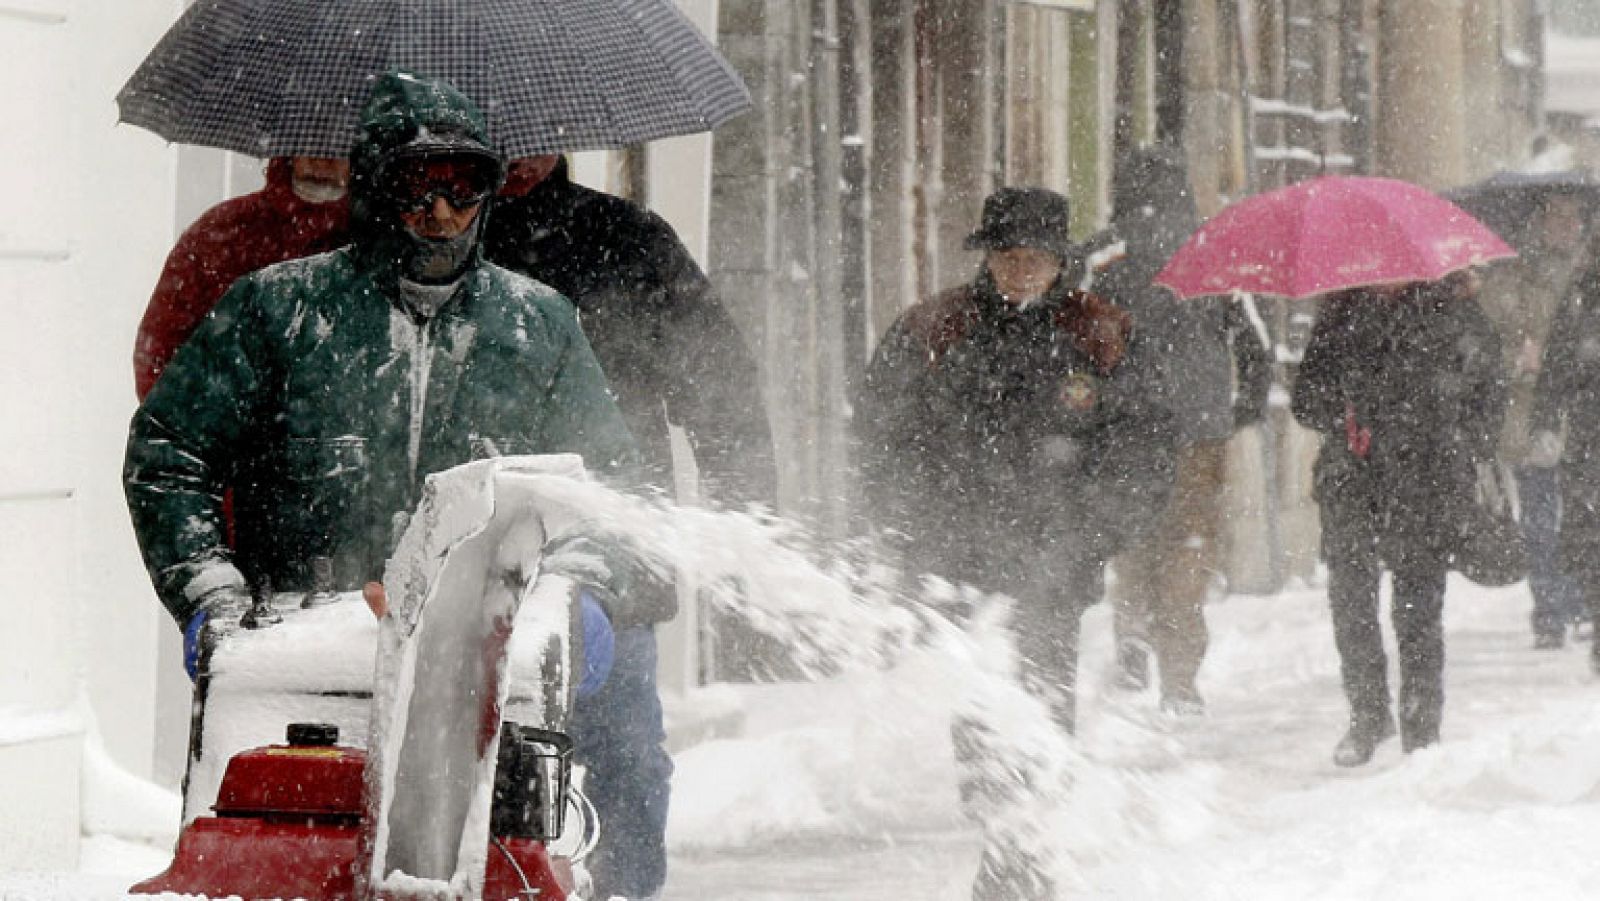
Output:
x,y
323,391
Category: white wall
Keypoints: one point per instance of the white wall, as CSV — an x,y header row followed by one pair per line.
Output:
x,y
90,219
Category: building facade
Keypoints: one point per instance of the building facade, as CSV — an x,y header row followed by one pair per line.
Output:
x,y
882,124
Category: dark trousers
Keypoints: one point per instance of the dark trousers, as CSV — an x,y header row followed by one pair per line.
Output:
x,y
1354,571
1557,598
1051,580
619,736
1045,627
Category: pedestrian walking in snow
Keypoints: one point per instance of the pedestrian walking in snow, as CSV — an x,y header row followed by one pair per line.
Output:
x,y
1012,439
1522,297
1566,427
1405,384
300,211
1215,375
1010,433
325,390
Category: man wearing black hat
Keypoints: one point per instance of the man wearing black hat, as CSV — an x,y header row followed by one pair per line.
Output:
x,y
1010,433
1011,439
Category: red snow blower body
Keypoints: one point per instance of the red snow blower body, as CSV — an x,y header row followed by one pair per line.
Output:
x,y
420,803
288,824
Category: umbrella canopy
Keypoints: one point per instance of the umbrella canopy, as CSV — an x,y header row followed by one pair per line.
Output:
x,y
1510,202
1328,234
288,77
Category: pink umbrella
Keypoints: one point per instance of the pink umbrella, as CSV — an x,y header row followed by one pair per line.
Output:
x,y
1328,234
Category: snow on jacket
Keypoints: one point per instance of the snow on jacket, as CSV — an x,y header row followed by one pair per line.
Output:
x,y
978,420
1408,393
667,344
323,402
230,240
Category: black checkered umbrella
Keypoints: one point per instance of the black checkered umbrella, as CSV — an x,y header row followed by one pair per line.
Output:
x,y
288,77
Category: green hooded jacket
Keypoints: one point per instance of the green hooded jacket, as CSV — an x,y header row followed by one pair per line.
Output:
x,y
322,402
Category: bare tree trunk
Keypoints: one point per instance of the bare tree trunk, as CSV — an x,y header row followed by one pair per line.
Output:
x,y
1269,86
855,138
1355,89
1300,139
1130,57
832,456
1168,22
926,130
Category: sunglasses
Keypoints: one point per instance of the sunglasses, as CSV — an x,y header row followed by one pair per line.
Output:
x,y
463,182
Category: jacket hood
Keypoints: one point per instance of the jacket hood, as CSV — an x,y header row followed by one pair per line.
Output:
x,y
407,116
1152,204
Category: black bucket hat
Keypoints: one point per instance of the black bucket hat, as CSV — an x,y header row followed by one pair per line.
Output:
x,y
1024,217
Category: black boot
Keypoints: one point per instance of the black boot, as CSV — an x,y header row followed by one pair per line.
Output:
x,y
1420,713
1362,740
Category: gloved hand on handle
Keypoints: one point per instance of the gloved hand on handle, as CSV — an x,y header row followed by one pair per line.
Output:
x,y
216,613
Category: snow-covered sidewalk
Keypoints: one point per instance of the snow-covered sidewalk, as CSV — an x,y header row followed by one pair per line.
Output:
x,y
845,789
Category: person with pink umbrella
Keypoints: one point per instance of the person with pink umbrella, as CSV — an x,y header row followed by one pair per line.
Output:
x,y
1403,379
1406,386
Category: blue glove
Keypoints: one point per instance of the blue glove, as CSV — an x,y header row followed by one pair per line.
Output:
x,y
191,642
599,644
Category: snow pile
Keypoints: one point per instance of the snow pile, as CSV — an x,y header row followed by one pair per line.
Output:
x,y
120,806
859,754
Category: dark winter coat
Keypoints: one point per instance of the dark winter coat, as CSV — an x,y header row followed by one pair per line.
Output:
x,y
1408,393
668,346
1200,343
986,431
1568,395
230,240
323,401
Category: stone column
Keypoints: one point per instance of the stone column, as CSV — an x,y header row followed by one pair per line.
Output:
x,y
1421,135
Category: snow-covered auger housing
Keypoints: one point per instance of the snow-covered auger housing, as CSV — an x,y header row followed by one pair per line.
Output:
x,y
442,771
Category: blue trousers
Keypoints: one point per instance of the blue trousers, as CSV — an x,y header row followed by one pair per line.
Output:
x,y
1557,599
620,740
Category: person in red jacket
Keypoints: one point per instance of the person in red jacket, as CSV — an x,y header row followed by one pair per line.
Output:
x,y
301,211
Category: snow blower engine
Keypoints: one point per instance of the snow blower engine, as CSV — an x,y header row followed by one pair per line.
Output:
x,y
289,822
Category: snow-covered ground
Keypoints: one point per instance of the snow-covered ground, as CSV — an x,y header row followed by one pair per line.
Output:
x,y
1243,803
845,788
